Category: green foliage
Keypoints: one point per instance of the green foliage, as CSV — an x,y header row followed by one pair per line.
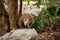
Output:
x,y
37,24
28,1
38,3
53,19
55,13
47,12
51,2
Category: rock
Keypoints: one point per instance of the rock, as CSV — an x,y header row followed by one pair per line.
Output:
x,y
20,34
4,37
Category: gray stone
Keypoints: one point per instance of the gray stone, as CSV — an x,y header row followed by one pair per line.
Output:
x,y
19,34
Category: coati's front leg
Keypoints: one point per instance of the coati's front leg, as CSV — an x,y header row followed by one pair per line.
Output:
x,y
21,24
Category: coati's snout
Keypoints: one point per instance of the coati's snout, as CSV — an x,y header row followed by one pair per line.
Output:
x,y
28,21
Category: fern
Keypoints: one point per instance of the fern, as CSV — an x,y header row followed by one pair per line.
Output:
x,y
55,13
37,24
47,13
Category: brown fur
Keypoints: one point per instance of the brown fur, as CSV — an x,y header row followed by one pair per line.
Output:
x,y
25,17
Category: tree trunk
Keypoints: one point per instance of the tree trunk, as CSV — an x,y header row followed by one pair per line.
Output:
x,y
3,19
20,9
13,17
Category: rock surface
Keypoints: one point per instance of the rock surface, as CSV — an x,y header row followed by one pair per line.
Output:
x,y
19,34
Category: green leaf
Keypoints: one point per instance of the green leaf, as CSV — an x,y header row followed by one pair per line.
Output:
x,y
37,24
47,13
56,12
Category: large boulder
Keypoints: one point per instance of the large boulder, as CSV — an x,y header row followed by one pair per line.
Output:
x,y
19,34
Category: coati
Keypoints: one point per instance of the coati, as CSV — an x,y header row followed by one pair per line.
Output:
x,y
25,20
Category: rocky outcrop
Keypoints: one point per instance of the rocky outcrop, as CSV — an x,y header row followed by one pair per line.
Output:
x,y
19,34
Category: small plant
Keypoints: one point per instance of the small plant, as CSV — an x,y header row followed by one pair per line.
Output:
x,y
49,13
37,24
52,15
